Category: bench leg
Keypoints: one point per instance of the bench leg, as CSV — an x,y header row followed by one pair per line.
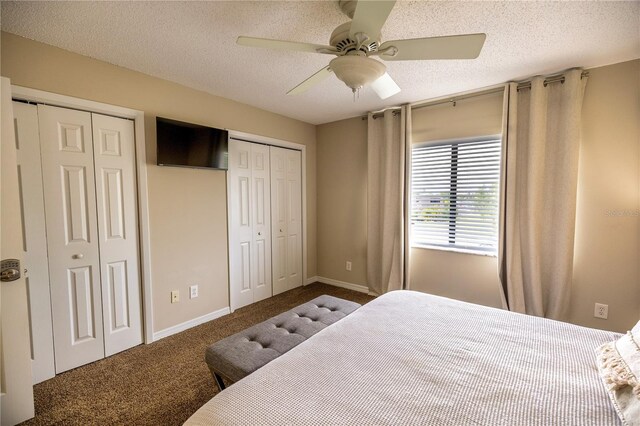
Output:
x,y
218,381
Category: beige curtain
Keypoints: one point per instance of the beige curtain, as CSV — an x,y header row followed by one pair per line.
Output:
x,y
541,141
387,237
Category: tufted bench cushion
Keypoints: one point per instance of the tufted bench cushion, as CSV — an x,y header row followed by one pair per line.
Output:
x,y
237,356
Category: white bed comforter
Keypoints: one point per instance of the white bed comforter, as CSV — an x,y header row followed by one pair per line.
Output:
x,y
412,358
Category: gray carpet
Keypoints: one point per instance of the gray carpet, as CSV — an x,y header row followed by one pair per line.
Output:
x,y
162,383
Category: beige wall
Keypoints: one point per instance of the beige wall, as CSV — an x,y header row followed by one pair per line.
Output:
x,y
342,200
187,206
469,277
607,256
607,263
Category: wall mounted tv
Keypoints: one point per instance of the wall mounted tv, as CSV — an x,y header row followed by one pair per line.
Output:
x,y
191,145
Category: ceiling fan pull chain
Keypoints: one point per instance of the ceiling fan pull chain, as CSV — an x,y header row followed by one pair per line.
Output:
x,y
356,94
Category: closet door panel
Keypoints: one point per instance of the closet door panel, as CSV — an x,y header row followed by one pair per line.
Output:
x,y
261,212
35,245
114,152
279,218
72,241
294,218
286,212
241,248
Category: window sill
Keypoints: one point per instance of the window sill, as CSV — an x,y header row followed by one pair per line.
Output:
x,y
454,249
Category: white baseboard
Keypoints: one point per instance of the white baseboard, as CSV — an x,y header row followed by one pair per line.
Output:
x,y
344,284
311,280
191,323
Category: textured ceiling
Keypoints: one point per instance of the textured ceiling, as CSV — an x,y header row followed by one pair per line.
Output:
x,y
193,43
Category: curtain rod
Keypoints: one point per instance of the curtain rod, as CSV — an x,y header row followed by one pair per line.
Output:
x,y
559,78
454,99
440,101
396,111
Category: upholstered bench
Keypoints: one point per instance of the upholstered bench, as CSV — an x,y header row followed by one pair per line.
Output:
x,y
237,356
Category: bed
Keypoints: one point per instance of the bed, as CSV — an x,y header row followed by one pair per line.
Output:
x,y
413,358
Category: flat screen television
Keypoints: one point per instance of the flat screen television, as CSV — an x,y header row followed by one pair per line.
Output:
x,y
191,145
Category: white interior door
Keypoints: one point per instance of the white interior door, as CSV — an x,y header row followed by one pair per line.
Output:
x,y
35,244
16,389
286,213
72,240
114,154
261,213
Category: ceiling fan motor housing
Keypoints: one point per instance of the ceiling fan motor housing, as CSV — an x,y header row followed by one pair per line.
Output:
x,y
343,43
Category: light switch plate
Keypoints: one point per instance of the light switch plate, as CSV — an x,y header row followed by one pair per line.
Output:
x,y
175,296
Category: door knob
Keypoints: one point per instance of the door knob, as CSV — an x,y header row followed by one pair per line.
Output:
x,y
9,270
77,256
9,275
281,230
259,233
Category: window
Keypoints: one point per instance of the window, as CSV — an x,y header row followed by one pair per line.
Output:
x,y
455,194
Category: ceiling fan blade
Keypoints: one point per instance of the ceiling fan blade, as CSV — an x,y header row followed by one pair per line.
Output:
x,y
385,87
311,81
285,45
369,17
467,46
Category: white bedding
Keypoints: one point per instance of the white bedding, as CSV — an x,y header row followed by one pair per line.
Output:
x,y
412,358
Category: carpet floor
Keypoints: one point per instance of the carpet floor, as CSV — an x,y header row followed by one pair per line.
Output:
x,y
162,383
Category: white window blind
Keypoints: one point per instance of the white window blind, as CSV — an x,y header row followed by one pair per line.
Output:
x,y
455,194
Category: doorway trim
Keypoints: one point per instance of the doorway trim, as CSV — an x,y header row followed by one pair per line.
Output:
x,y
265,140
54,99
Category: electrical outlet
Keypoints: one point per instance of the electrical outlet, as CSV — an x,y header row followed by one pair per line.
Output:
x,y
348,265
193,291
175,296
601,311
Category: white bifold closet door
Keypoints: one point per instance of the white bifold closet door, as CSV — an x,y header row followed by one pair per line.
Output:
x,y
249,222
286,213
114,159
35,242
72,235
88,168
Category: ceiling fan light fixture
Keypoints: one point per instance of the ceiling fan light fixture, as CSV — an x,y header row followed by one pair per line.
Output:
x,y
357,71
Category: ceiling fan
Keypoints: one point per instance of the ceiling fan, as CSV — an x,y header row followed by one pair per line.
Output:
x,y
354,44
